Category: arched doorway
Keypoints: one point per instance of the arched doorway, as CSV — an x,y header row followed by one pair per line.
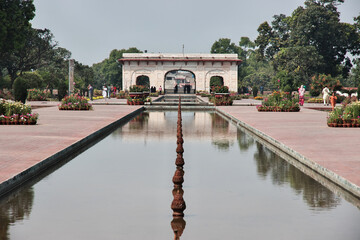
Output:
x,y
216,81
143,81
179,82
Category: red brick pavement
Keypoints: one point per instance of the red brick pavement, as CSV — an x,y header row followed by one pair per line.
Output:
x,y
23,146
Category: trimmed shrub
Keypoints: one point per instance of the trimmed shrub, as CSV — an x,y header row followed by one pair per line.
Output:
x,y
255,91
62,90
20,87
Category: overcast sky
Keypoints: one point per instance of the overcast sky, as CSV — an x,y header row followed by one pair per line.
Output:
x,y
90,29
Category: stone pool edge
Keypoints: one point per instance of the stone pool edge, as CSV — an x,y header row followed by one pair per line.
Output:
x,y
337,179
24,176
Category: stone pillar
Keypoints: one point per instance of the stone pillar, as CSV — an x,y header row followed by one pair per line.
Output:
x,y
71,76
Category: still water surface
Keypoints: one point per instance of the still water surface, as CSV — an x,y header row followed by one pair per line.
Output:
x,y
235,188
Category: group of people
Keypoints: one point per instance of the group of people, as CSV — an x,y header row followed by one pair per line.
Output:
x,y
327,97
153,89
325,93
106,91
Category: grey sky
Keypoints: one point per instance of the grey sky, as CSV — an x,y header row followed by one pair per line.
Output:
x,y
90,29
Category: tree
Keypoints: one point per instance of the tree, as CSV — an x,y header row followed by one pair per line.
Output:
x,y
312,40
318,25
35,53
24,82
299,62
224,45
109,71
84,75
15,16
56,72
252,71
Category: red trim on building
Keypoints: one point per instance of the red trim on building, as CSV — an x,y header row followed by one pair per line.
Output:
x,y
123,60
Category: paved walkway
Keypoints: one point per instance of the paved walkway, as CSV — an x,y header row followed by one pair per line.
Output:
x,y
23,146
306,132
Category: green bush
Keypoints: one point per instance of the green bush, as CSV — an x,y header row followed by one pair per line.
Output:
x,y
216,81
138,88
314,92
20,87
9,108
288,89
220,89
255,91
37,95
62,90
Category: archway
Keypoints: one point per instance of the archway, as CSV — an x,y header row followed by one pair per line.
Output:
x,y
143,81
216,81
179,81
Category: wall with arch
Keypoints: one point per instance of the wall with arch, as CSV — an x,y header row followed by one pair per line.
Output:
x,y
204,66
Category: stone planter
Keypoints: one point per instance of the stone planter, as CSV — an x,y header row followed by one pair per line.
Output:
x,y
136,94
220,95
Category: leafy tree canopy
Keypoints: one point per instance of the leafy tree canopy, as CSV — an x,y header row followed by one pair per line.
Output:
x,y
311,40
224,45
109,71
15,16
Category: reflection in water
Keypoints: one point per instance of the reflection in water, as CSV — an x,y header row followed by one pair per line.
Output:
x,y
178,204
244,140
15,208
220,128
140,121
281,172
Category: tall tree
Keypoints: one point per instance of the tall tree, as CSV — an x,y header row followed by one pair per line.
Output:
x,y
35,53
109,71
15,16
224,45
312,40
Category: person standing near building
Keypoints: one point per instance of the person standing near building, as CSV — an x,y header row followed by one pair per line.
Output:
x,y
160,90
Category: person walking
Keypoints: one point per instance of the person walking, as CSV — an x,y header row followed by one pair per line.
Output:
x,y
301,91
326,96
108,91
333,100
104,92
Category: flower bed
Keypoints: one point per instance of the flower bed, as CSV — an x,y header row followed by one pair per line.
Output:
x,y
37,95
346,116
137,95
279,102
74,102
315,100
221,101
16,119
16,113
220,89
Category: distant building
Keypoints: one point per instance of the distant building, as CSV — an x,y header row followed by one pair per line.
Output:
x,y
169,70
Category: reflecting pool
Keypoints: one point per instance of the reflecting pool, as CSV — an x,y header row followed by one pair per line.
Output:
x,y
234,188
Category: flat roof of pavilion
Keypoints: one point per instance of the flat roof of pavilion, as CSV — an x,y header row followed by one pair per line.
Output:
x,y
178,57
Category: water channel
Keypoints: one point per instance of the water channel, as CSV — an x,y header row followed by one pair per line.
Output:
x,y
121,188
